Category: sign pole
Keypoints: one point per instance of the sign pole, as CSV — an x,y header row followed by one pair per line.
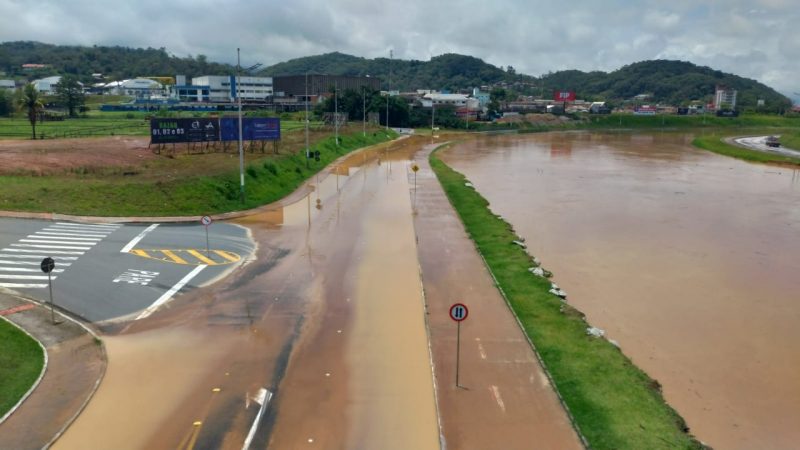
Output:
x,y
206,221
458,349
52,310
206,241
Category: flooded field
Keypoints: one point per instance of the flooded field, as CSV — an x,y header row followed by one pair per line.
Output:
x,y
688,259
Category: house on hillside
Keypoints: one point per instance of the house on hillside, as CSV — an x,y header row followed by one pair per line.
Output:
x,y
47,86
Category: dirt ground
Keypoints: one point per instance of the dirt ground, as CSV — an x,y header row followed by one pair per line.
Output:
x,y
47,157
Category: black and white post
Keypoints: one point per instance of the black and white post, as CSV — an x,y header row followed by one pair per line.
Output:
x,y
48,264
206,221
458,312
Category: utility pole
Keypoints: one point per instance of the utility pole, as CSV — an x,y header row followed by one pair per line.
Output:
x,y
239,98
433,113
389,89
336,109
307,150
364,110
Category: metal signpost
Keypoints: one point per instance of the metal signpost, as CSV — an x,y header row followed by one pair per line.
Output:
x,y
206,221
415,169
47,267
459,313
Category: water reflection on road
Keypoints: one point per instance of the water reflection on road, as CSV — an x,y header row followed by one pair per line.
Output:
x,y
689,259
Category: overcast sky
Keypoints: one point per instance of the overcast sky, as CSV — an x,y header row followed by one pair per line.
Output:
x,y
754,38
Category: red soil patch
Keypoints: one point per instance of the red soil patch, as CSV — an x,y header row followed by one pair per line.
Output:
x,y
44,157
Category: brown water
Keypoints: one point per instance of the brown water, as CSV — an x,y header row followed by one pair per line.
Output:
x,y
690,260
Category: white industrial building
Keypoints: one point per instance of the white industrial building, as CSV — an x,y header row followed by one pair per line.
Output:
x,y
47,86
223,88
451,100
7,84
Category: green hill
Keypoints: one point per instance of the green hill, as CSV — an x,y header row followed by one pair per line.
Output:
x,y
669,82
115,63
448,71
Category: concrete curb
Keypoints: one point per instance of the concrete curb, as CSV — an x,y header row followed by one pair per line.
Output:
x,y
35,383
96,386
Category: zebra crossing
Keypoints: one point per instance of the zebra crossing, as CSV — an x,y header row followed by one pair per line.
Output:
x,y
65,242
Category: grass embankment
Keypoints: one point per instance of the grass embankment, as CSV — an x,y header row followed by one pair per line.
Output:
x,y
21,362
615,404
791,140
715,143
196,187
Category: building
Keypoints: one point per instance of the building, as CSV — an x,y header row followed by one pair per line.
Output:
x,y
451,100
7,84
46,86
294,86
222,88
483,97
136,87
725,98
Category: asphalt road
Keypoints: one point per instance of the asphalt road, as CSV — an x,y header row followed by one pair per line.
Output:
x,y
112,271
760,143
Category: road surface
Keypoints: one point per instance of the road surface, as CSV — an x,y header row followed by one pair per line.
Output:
x,y
760,143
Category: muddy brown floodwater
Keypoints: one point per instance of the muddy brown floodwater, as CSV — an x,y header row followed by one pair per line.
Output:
x,y
688,259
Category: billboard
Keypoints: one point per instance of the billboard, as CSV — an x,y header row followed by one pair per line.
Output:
x,y
564,96
253,129
170,131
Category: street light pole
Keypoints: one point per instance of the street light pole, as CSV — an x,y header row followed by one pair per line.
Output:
x,y
433,114
388,90
239,98
364,111
336,109
307,150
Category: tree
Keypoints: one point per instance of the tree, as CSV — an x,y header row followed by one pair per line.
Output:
x,y
70,94
6,105
31,102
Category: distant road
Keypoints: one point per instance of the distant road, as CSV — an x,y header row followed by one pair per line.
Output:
x,y
759,143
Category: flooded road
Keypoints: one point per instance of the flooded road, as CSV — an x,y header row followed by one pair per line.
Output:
x,y
334,284
688,259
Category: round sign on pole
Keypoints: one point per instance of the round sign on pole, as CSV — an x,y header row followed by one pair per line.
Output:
x,y
48,265
205,220
459,312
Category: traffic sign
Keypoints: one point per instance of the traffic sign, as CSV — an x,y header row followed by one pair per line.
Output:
x,y
459,312
48,265
205,220
415,167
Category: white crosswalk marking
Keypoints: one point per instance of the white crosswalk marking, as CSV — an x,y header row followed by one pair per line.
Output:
x,y
20,262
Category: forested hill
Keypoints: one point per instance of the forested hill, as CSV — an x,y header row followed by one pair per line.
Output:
x,y
115,63
670,82
448,71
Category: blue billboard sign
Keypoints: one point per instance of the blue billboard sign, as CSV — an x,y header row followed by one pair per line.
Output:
x,y
253,129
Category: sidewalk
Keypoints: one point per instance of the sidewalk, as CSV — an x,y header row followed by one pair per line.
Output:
x,y
76,365
505,399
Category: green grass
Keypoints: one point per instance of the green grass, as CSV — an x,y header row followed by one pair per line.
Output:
x,y
21,362
267,178
715,143
791,140
615,404
694,121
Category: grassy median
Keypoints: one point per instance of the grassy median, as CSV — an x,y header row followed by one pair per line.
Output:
x,y
201,184
21,362
614,403
715,143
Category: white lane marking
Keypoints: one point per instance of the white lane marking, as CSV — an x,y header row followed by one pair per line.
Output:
x,y
23,285
138,238
62,232
47,241
60,247
25,269
49,252
29,263
480,348
168,295
496,391
59,258
65,238
88,225
265,395
24,277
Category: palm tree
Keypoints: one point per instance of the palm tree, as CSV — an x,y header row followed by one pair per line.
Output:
x,y
31,102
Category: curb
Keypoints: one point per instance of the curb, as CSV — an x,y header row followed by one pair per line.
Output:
x,y
35,383
89,397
